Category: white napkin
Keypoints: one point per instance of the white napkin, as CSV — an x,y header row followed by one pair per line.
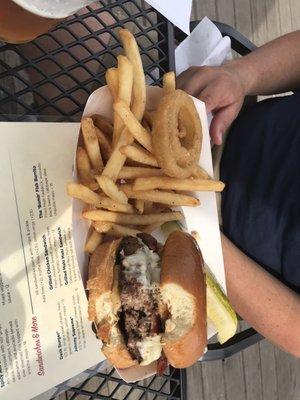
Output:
x,y
176,11
205,46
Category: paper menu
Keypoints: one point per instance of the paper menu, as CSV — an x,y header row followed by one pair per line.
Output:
x,y
45,337
176,11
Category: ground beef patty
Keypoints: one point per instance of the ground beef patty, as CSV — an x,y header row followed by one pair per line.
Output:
x,y
139,317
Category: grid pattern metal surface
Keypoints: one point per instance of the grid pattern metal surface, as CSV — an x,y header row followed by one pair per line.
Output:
x,y
108,385
54,74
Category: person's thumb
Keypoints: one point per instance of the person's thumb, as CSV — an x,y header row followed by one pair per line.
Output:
x,y
221,121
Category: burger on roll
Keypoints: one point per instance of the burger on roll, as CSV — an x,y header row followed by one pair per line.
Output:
x,y
148,302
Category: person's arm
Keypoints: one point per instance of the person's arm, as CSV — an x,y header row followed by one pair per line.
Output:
x,y
272,68
260,299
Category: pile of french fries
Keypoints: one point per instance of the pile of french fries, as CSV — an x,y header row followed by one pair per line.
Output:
x,y
119,178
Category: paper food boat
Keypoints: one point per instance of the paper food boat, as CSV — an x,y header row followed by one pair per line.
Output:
x,y
202,219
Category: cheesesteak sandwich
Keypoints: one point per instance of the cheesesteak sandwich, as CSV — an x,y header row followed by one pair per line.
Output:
x,y
148,302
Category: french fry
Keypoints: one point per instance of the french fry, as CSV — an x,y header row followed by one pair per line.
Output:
x,y
125,71
164,182
112,80
111,189
139,82
103,124
83,193
139,205
138,154
112,205
105,145
125,80
117,159
121,230
93,241
93,186
131,219
158,196
169,84
102,227
91,142
84,166
137,172
201,173
129,138
140,134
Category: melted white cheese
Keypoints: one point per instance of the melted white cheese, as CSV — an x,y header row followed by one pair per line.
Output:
x,y
150,349
143,265
105,309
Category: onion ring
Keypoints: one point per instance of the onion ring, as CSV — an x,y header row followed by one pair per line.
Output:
x,y
177,135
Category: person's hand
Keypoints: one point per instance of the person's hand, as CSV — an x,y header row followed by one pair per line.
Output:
x,y
221,89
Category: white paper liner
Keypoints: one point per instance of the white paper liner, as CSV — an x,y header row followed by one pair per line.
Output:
x,y
202,219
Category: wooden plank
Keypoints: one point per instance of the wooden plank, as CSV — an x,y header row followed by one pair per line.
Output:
x,y
195,11
252,370
295,14
259,25
268,370
285,16
243,17
213,381
234,377
273,20
204,8
288,375
225,12
296,380
195,382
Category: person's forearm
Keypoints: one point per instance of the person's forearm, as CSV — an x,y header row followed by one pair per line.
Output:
x,y
264,302
272,68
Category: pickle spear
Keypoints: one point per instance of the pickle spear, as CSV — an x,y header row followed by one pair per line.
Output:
x,y
219,310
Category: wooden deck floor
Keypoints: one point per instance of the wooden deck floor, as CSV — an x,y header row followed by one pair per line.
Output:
x,y
261,372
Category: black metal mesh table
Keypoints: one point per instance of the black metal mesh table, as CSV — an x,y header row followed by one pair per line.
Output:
x,y
54,75
107,385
